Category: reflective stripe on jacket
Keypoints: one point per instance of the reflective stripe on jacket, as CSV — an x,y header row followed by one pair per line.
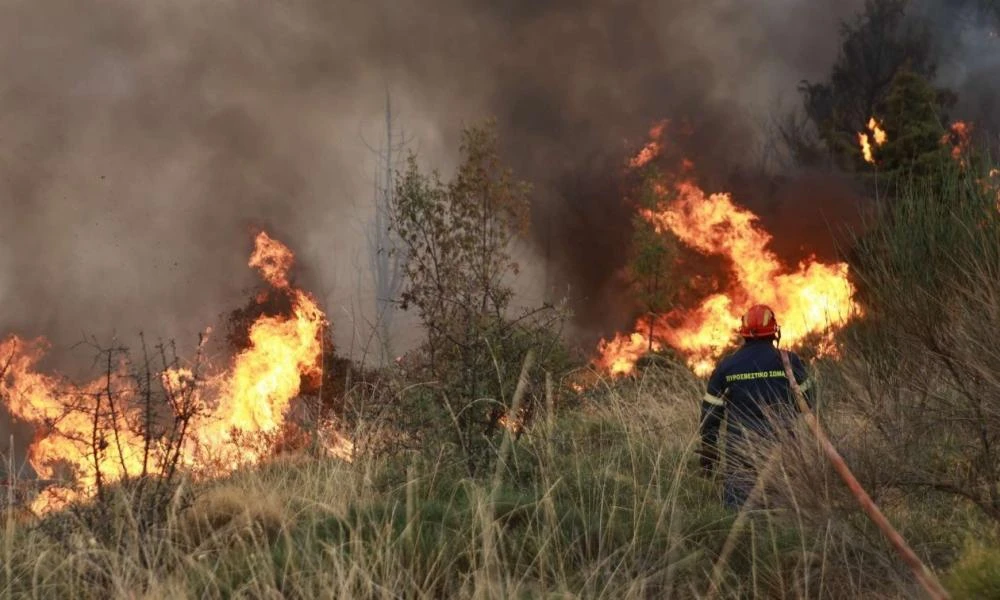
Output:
x,y
749,386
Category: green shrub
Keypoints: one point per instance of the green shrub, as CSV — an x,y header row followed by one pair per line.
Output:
x,y
976,574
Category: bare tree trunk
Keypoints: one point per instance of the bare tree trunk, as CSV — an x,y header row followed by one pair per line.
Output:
x,y
382,243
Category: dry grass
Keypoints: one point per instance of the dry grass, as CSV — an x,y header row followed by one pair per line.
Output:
x,y
599,502
232,511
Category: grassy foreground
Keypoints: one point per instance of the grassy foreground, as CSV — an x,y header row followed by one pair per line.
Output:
x,y
600,502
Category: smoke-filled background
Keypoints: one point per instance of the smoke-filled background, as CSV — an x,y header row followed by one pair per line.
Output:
x,y
141,141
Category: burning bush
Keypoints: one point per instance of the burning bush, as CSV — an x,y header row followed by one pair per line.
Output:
x,y
151,418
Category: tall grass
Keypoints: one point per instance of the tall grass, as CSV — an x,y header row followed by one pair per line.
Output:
x,y
600,502
921,373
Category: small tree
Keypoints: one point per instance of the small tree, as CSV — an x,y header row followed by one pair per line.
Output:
x,y
913,120
456,238
653,258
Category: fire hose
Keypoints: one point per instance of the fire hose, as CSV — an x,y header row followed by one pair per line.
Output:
x,y
921,572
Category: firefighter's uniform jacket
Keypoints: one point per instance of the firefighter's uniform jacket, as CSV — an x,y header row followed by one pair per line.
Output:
x,y
750,388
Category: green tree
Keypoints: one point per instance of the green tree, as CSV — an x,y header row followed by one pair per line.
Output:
x,y
653,258
913,120
458,270
875,48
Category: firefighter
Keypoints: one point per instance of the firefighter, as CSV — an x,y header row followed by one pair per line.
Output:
x,y
750,388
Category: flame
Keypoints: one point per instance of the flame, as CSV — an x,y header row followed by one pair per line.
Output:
x,y
619,355
255,395
273,259
879,137
64,440
512,423
250,399
959,137
877,131
811,298
652,148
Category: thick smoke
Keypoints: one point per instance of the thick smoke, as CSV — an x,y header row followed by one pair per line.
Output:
x,y
967,33
141,141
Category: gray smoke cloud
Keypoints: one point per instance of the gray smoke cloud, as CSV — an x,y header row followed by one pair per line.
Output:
x,y
968,39
141,142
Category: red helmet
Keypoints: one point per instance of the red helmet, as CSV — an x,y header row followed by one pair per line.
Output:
x,y
759,322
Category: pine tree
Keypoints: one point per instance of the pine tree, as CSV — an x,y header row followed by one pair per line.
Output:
x,y
654,255
913,118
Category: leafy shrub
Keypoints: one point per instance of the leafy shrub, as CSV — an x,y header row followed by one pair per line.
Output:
x,y
456,240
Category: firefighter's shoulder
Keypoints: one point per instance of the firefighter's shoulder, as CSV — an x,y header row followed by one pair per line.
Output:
x,y
726,364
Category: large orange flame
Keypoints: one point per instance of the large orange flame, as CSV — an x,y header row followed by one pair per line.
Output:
x,y
810,298
65,439
251,398
255,394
